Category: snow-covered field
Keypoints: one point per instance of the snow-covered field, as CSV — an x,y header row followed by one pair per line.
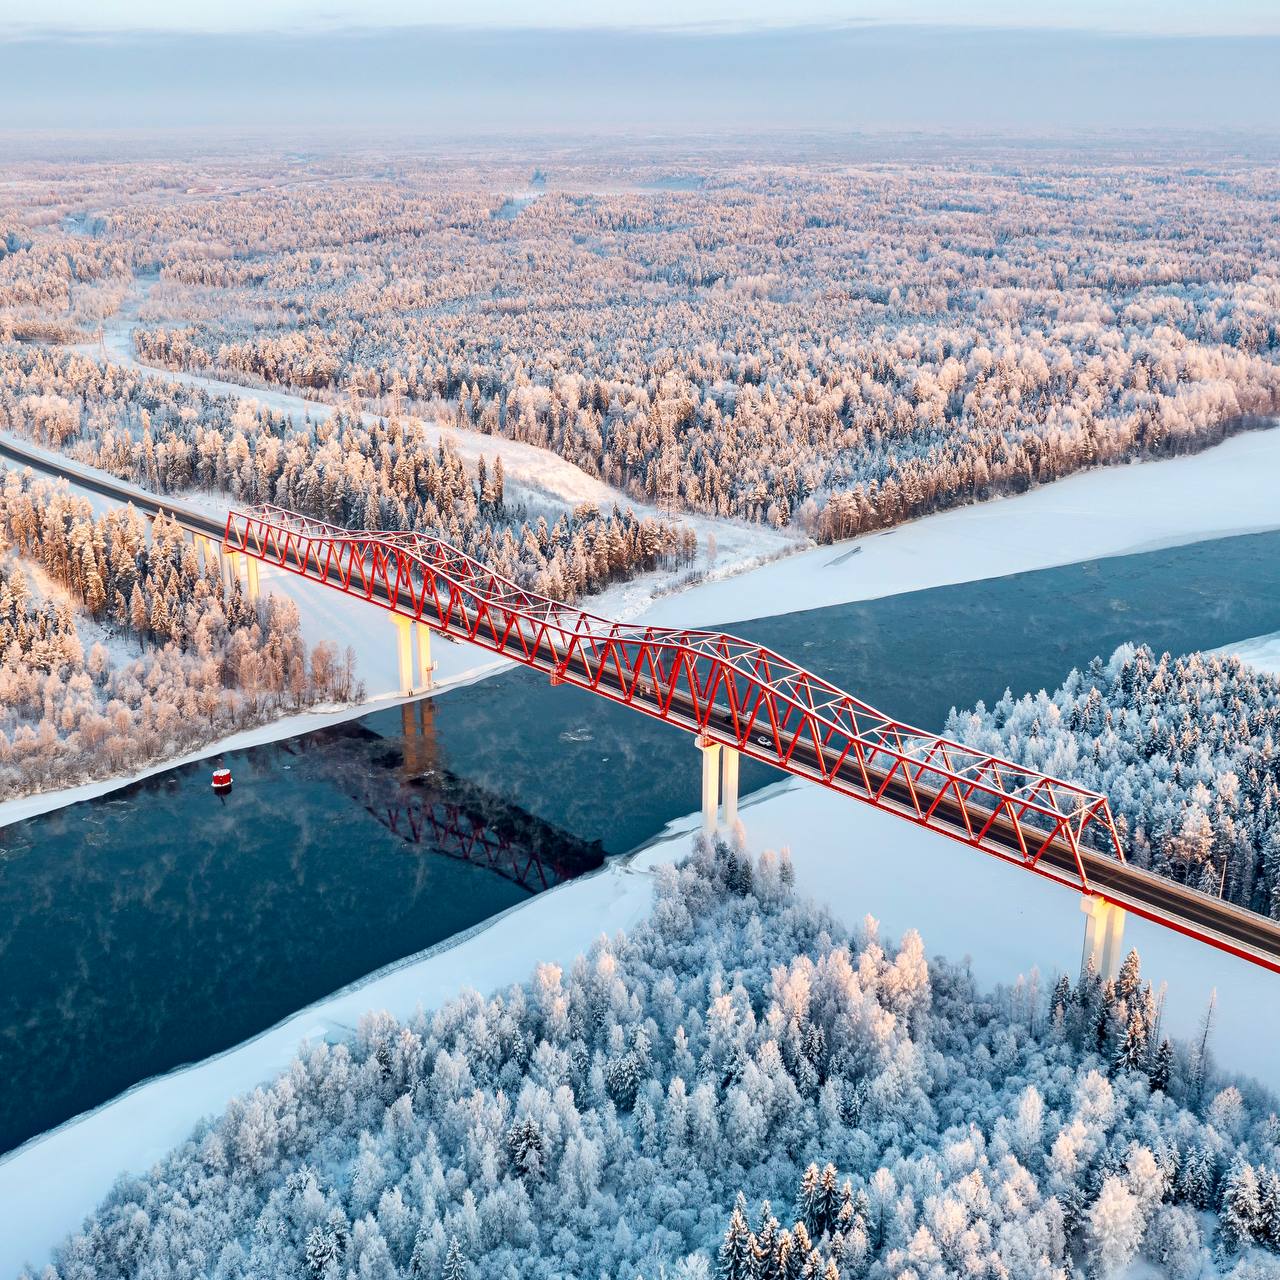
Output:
x,y
856,859
534,475
1260,652
1230,489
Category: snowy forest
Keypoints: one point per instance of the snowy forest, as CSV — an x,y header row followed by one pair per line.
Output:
x,y
838,345
346,469
117,649
737,1089
1184,748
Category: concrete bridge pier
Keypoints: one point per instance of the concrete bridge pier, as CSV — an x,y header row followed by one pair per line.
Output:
x,y
208,550
405,629
710,785
404,651
232,560
719,786
426,668
1103,935
729,786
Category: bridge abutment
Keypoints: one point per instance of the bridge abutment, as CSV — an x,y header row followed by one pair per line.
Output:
x,y
1103,935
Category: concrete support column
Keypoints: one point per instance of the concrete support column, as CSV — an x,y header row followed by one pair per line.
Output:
x,y
1103,935
426,668
404,651
215,555
208,551
231,568
730,787
1113,947
710,785
251,573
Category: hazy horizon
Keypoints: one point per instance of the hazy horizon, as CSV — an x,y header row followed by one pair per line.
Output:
x,y
453,80
1152,17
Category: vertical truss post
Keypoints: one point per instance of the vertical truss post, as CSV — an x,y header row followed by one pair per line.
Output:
x,y
710,785
730,787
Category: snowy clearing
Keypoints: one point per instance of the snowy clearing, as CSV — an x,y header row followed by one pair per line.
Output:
x,y
1113,511
533,475
855,859
1260,652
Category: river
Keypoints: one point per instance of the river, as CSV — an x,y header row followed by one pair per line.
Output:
x,y
162,923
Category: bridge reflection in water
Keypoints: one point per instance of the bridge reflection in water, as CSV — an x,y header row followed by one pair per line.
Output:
x,y
404,787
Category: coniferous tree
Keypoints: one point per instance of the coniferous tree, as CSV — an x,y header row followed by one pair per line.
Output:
x,y
1241,1217
455,1265
737,1258
1161,1066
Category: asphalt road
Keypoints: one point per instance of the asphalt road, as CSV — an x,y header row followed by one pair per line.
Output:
x,y
1211,920
41,460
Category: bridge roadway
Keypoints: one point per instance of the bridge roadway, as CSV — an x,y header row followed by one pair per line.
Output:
x,y
1233,929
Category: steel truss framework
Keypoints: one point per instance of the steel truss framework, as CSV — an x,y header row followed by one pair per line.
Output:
x,y
712,684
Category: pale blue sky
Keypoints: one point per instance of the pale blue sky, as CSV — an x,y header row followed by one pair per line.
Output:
x,y
1155,17
726,66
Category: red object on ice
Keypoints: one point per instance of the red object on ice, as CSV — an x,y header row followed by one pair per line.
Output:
x,y
221,778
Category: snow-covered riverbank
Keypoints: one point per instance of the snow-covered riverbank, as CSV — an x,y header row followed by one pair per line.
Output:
x,y
1226,490
1260,652
1229,489
458,665
855,859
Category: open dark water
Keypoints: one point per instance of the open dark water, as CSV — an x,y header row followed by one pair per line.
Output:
x,y
160,924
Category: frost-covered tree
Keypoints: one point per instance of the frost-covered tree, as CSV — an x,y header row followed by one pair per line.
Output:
x,y
985,1141
1184,750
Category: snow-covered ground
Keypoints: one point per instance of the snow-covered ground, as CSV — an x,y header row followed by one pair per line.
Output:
x,y
1229,489
1260,652
534,475
856,859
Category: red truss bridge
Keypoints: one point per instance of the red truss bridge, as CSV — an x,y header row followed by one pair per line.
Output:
x,y
741,698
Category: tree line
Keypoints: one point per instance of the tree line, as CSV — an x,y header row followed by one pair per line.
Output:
x,y
118,649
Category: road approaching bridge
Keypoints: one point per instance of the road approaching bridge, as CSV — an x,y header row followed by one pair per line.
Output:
x,y
736,698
